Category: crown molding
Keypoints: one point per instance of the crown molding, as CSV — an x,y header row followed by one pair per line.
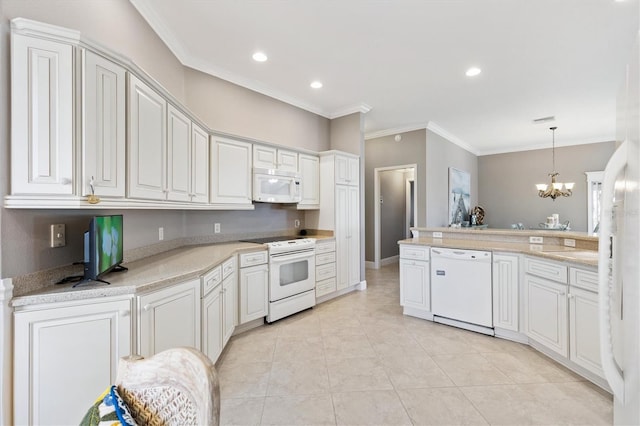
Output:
x,y
534,147
361,108
451,137
395,131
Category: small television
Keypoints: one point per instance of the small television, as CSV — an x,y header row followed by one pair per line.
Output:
x,y
103,249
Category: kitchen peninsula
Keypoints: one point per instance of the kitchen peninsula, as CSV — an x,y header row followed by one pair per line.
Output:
x,y
536,287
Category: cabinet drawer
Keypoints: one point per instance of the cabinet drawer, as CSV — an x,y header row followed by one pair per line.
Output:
x,y
254,258
584,279
325,271
211,279
414,252
323,258
325,247
545,269
325,287
228,267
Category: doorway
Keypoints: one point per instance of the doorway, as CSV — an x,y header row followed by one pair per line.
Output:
x,y
395,210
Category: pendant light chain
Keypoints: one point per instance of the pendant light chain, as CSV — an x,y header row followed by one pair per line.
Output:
x,y
553,148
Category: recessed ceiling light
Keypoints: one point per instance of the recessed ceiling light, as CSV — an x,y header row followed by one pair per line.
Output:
x,y
316,84
473,71
259,57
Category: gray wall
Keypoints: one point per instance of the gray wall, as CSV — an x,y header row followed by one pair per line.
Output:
x,y
507,184
442,154
386,152
227,107
346,133
392,212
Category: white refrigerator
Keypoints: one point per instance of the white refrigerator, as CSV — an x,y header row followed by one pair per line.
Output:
x,y
619,251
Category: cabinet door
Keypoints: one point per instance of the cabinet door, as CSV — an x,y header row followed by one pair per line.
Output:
x,y
353,235
178,155
265,157
76,348
147,142
342,236
254,295
546,313
584,332
169,318
347,170
287,160
199,165
103,126
310,173
505,291
230,171
415,290
41,116
212,321
230,303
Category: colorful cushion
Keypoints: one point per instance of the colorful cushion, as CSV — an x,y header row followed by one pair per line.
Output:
x,y
109,410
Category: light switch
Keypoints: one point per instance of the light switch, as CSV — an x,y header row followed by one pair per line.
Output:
x,y
58,235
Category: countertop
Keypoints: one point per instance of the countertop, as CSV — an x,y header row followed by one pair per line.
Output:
x,y
547,251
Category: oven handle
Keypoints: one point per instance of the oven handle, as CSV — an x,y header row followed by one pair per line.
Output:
x,y
286,257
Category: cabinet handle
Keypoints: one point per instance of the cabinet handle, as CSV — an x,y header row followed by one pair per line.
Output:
x,y
146,308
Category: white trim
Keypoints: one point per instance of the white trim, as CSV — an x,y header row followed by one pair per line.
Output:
x,y
450,137
339,293
361,108
465,325
514,336
390,260
543,146
362,285
6,353
395,131
418,313
43,30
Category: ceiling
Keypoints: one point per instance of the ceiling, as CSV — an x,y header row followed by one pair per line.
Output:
x,y
404,61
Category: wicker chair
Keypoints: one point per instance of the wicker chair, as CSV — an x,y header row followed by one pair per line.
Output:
x,y
174,387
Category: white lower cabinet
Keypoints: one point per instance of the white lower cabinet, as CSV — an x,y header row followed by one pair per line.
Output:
x,y
415,289
584,330
65,356
545,313
212,323
169,318
505,291
254,287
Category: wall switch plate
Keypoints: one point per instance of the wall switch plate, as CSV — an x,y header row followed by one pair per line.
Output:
x,y
58,235
296,223
161,233
535,247
216,228
536,240
569,242
437,235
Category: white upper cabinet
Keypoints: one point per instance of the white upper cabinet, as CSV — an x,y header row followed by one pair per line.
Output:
x,y
310,174
268,157
178,155
41,116
103,126
230,171
199,165
347,170
147,142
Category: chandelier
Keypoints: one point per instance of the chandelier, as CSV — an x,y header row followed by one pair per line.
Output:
x,y
556,189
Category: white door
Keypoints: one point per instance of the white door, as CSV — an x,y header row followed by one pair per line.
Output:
x,y
178,155
254,295
103,126
310,175
169,318
42,132
584,331
287,160
505,291
212,320
147,142
229,306
414,284
230,171
546,313
65,356
199,165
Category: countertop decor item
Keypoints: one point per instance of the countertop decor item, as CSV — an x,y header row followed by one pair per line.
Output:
x,y
478,212
555,190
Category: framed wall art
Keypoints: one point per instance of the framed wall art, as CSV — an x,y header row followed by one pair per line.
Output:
x,y
459,196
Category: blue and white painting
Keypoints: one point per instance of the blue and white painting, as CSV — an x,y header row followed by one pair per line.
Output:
x,y
459,195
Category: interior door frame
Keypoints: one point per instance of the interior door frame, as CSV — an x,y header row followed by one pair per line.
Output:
x,y
376,204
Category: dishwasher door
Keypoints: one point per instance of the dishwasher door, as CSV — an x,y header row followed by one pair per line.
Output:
x,y
461,285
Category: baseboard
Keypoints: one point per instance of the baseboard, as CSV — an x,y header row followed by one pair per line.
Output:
x,y
465,325
369,264
248,326
514,336
362,286
389,260
338,293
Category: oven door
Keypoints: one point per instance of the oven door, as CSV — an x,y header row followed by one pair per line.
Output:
x,y
291,274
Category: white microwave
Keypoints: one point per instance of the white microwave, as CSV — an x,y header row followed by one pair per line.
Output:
x,y
276,186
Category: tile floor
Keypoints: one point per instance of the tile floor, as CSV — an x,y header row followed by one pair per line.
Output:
x,y
356,360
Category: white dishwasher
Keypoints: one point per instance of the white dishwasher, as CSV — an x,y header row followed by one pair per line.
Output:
x,y
461,288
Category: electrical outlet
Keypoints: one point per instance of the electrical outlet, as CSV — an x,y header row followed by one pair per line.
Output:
x,y
161,233
437,235
569,242
536,240
296,223
216,228
58,236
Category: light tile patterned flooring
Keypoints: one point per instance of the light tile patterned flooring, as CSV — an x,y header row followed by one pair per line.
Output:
x,y
357,360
